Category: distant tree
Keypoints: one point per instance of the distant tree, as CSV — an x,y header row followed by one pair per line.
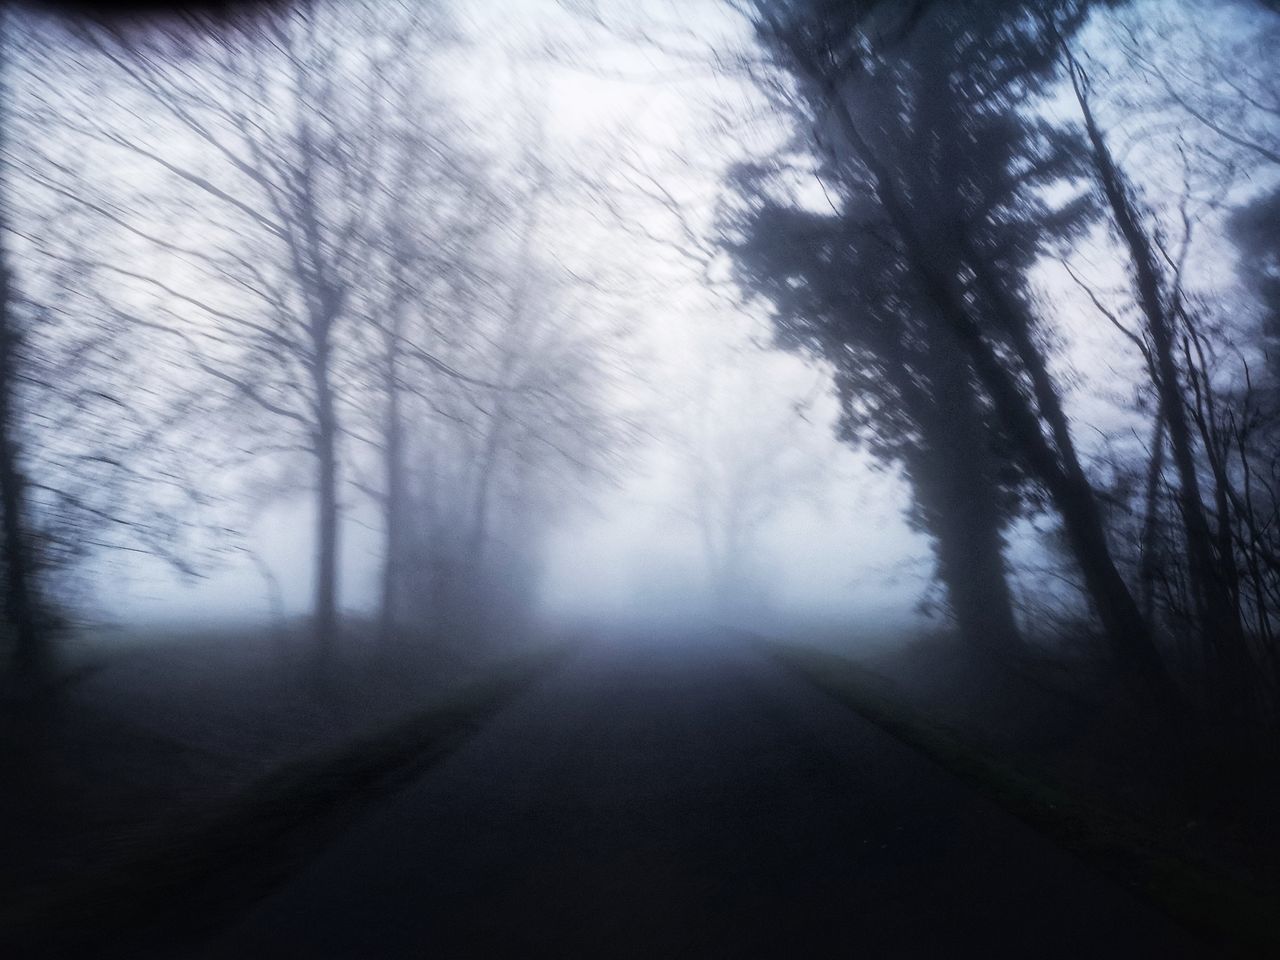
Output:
x,y
742,457
512,366
433,210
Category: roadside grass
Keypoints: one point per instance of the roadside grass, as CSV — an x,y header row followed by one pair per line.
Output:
x,y
1237,917
183,884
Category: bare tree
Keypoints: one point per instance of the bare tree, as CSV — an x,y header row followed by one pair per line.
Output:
x,y
514,402
743,455
275,141
97,458
1212,574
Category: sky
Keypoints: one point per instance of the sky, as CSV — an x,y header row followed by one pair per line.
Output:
x,y
628,546
618,109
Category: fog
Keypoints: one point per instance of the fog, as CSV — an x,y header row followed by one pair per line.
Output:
x,y
835,545
629,547
838,545
506,477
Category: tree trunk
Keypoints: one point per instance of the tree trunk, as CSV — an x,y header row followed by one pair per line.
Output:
x,y
958,495
30,646
1150,523
31,653
953,481
393,510
326,518
484,481
971,565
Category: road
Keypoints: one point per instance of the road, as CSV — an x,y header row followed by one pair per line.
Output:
x,y
692,799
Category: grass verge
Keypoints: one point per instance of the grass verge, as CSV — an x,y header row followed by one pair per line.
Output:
x,y
1239,918
180,887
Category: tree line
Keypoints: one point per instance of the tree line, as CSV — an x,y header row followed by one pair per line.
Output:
x,y
277,257
951,173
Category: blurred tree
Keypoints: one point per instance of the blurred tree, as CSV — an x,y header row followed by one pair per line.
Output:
x,y
744,455
920,107
20,601
92,461
1210,365
839,293
274,140
433,209
1212,568
490,369
948,194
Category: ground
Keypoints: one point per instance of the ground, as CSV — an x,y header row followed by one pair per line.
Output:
x,y
686,796
664,791
154,728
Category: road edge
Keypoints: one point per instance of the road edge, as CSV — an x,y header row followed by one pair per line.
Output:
x,y
1231,914
184,886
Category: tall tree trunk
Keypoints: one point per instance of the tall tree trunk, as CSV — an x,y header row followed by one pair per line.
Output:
x,y
31,653
953,482
395,481
957,490
325,297
30,644
326,442
484,482
1150,522
393,509
971,565
1063,477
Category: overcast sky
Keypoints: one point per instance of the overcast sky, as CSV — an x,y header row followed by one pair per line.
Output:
x,y
616,108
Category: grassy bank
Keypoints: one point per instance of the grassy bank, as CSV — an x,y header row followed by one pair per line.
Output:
x,y
1240,918
183,883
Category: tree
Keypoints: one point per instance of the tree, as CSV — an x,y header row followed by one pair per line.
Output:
x,y
743,454
1209,357
491,369
902,96
92,461
953,179
839,294
1212,566
20,601
275,141
434,209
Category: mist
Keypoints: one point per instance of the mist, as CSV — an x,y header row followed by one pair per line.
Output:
x,y
791,453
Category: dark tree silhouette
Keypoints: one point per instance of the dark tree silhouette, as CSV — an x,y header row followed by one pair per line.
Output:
x,y
918,106
840,293
19,585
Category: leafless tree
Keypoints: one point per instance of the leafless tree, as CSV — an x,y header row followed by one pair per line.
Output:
x,y
273,142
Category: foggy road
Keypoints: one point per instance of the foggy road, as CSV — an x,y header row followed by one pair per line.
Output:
x,y
688,797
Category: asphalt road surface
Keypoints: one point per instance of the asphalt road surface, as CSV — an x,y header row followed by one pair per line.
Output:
x,y
689,798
